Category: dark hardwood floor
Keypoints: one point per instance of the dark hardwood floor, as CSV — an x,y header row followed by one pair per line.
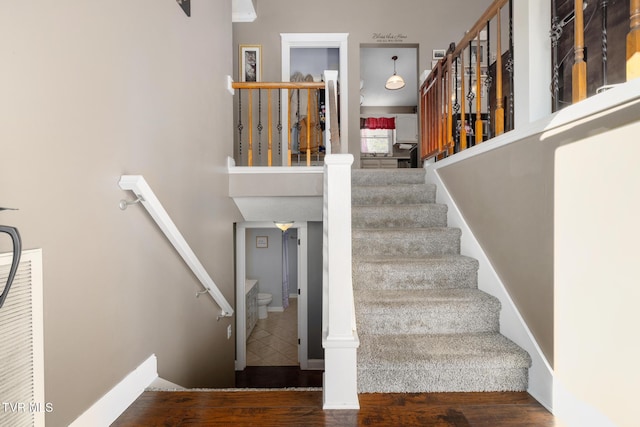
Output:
x,y
277,377
304,407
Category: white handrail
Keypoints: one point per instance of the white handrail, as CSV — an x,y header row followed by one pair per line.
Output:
x,y
145,195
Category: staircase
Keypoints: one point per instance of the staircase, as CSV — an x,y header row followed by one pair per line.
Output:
x,y
423,324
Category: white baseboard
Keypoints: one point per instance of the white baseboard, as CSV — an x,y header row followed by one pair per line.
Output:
x,y
275,309
512,325
108,408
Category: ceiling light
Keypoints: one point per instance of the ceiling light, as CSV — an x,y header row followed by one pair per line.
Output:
x,y
394,82
283,225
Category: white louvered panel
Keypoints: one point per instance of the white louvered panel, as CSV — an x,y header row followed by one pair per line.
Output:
x,y
21,356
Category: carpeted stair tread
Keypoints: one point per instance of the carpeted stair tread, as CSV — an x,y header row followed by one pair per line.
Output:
x,y
433,350
403,216
393,195
422,322
435,272
405,242
441,363
364,177
429,311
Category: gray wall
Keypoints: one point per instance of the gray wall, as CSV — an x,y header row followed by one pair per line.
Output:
x,y
507,198
432,25
92,90
265,264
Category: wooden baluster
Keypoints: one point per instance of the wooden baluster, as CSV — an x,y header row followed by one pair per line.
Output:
x,y
433,137
579,71
449,101
308,127
435,119
433,115
488,81
422,127
250,119
499,116
289,131
478,92
270,130
633,41
463,124
604,42
439,109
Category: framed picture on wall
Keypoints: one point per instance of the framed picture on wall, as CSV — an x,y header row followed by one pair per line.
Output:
x,y
439,53
262,241
250,56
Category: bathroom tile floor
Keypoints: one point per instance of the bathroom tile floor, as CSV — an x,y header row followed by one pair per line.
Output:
x,y
274,340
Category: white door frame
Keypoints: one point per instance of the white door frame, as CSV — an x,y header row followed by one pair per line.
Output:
x,y
241,276
318,40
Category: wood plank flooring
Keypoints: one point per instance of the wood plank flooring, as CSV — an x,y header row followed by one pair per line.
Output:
x,y
303,407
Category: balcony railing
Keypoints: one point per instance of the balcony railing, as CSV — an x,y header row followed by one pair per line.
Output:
x,y
281,123
469,95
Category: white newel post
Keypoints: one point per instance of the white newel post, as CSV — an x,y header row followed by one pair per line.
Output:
x,y
340,338
329,75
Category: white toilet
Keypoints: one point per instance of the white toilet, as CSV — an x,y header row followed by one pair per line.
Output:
x,y
263,301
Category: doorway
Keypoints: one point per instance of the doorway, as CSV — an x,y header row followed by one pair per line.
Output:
x,y
397,134
290,41
262,242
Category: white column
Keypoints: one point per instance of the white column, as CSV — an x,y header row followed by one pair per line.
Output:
x,y
329,75
340,339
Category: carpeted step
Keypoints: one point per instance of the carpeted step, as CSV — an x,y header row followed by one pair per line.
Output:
x,y
438,272
405,242
423,324
428,311
393,195
441,363
387,176
394,216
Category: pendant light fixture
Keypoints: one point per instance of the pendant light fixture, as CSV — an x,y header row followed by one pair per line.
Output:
x,y
394,82
283,225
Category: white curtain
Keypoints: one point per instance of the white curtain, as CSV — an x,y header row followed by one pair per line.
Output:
x,y
285,269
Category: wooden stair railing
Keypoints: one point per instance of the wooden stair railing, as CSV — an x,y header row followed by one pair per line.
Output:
x,y
455,114
251,116
442,132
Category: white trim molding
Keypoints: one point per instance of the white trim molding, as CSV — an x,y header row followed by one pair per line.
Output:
x,y
512,325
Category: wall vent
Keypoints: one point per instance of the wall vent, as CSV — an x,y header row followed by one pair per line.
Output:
x,y
22,400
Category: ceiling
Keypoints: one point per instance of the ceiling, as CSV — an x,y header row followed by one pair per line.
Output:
x,y
376,66
243,11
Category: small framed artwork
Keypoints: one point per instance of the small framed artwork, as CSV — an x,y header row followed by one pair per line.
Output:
x,y
250,62
262,241
439,53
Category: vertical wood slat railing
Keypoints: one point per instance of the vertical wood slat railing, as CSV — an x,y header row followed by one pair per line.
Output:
x,y
283,89
579,71
439,92
444,92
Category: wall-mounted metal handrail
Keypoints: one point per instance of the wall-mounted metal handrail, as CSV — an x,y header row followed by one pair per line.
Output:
x,y
148,199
